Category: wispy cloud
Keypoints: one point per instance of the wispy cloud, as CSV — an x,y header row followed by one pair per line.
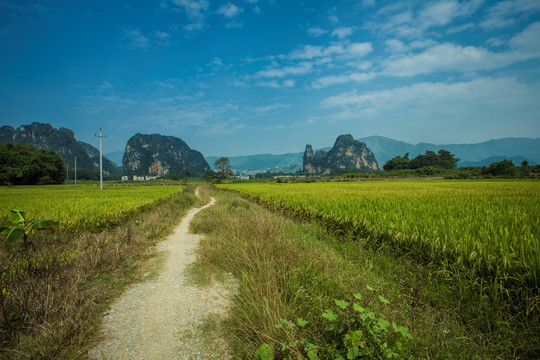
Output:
x,y
455,57
342,79
343,32
509,12
132,38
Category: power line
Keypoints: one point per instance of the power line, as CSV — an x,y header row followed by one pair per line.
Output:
x,y
160,82
138,73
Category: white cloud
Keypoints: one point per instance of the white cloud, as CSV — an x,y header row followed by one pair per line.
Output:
x,y
232,11
396,46
359,49
268,108
133,38
342,79
454,57
404,21
438,98
316,31
506,13
333,18
300,69
343,32
350,49
197,14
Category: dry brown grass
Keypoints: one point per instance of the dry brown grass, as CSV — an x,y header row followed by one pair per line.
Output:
x,y
53,296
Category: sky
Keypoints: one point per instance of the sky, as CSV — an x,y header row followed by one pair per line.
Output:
x,y
270,76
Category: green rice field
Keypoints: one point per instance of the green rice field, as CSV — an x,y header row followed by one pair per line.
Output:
x,y
488,228
84,208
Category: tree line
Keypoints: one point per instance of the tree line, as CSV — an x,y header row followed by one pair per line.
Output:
x,y
442,159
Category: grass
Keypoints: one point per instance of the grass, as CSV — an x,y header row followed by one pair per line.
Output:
x,y
289,269
52,308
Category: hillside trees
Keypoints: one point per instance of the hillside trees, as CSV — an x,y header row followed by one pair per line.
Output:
x,y
27,165
442,159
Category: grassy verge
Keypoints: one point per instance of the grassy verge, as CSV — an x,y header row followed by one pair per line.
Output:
x,y
53,296
287,270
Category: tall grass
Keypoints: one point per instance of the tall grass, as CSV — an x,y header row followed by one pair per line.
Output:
x,y
288,270
488,229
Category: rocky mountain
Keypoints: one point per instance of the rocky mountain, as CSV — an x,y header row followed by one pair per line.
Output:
x,y
384,149
161,155
347,154
62,141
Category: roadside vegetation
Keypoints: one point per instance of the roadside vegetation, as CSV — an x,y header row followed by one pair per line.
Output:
x,y
294,270
54,293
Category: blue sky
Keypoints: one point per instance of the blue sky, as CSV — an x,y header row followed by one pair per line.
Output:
x,y
273,75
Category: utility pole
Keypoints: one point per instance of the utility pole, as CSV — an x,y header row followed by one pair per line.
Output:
x,y
75,170
100,159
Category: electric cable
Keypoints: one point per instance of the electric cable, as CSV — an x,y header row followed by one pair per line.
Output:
x,y
132,82
160,82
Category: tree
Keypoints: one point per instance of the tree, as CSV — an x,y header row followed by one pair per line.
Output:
x,y
398,163
27,165
223,168
505,168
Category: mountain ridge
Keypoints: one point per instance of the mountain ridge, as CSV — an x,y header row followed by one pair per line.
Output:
x,y
385,148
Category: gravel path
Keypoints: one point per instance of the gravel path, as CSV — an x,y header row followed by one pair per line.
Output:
x,y
163,318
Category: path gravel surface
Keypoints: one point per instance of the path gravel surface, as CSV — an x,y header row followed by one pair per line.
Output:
x,y
162,318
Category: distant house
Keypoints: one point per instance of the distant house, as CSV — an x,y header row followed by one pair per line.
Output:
x,y
242,177
125,178
140,178
150,177
135,177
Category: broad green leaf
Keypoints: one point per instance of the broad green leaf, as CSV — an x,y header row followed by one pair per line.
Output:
x,y
383,300
341,303
383,323
301,322
329,314
266,351
312,354
358,308
358,296
44,224
17,216
370,288
14,234
403,330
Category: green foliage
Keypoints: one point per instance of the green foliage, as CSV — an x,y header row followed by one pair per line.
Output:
x,y
504,168
442,159
22,228
353,331
223,168
27,165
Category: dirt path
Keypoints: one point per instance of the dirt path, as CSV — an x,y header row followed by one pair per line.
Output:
x,y
162,318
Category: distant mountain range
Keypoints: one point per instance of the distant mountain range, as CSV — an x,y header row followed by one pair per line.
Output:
x,y
384,149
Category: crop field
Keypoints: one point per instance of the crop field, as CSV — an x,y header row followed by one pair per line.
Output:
x,y
489,228
81,208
